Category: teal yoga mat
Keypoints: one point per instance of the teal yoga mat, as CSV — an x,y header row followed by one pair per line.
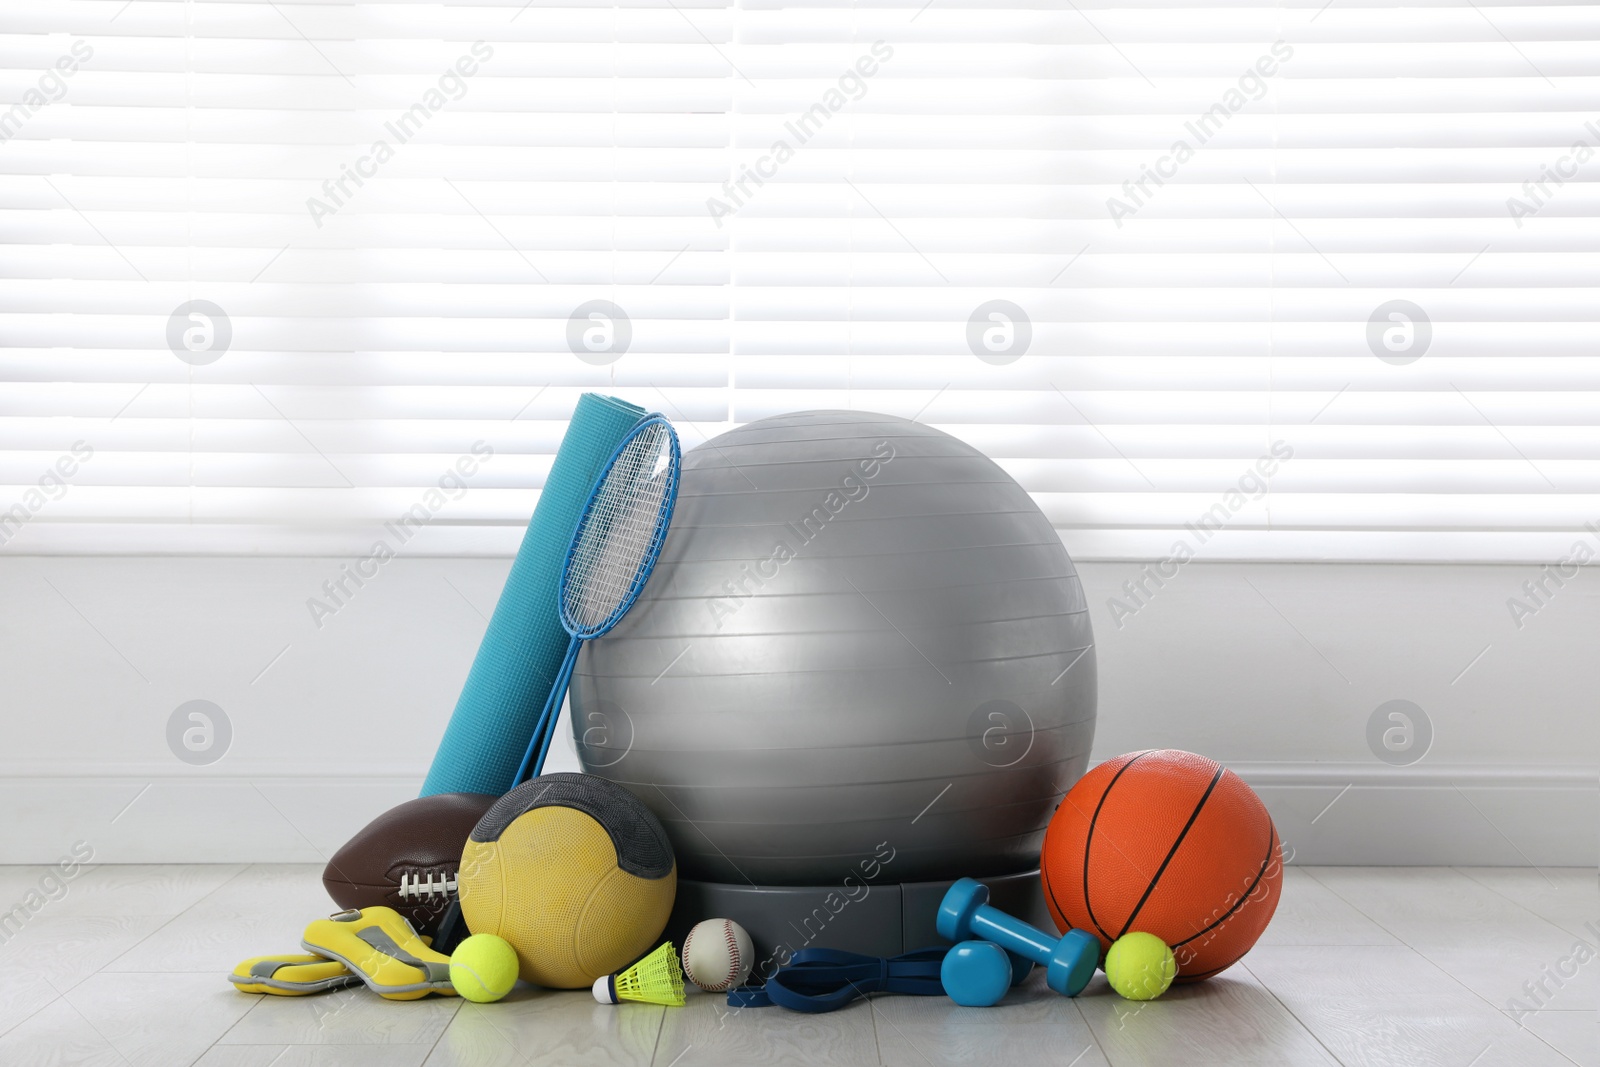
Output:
x,y
522,650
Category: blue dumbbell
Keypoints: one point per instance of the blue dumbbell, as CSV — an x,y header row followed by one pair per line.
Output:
x,y
976,974
1069,960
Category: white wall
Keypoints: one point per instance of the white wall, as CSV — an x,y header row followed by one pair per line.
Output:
x,y
1272,668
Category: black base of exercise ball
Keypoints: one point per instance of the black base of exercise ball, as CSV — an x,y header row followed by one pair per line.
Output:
x,y
874,919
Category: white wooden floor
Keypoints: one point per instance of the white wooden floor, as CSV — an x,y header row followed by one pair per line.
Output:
x,y
1391,966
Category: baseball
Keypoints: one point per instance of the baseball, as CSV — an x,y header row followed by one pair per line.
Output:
x,y
717,955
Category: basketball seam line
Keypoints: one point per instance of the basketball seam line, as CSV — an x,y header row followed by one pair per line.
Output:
x,y
1272,839
1088,841
1215,778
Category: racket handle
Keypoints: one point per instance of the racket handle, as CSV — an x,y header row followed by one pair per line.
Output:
x,y
549,735
557,695
537,744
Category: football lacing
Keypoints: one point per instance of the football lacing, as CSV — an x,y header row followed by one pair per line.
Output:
x,y
438,883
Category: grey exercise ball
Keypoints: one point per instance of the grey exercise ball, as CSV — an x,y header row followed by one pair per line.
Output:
x,y
864,644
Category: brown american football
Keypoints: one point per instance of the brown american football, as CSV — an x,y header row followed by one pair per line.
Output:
x,y
407,857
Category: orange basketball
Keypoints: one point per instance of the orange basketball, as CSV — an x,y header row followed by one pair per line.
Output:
x,y
1170,843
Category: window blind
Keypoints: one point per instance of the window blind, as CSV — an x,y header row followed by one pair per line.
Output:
x,y
1279,281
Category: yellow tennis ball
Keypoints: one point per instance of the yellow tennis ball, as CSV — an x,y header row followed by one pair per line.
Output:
x,y
1140,966
484,968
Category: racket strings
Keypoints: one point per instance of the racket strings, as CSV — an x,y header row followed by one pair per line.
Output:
x,y
621,532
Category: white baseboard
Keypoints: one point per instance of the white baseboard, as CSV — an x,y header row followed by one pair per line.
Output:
x,y
192,819
1325,813
1431,814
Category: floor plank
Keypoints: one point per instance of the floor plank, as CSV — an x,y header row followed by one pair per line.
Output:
x,y
1453,919
535,1028
1376,1006
57,1036
1232,1020
64,950
314,1056
293,890
22,995
1569,897
158,1020
1431,906
1557,971
194,942
1031,1025
143,889
707,1033
1574,1034
354,1016
1309,913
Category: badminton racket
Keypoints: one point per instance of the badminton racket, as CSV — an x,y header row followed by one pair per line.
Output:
x,y
614,548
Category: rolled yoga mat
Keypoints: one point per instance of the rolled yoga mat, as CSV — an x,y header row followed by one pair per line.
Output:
x,y
523,647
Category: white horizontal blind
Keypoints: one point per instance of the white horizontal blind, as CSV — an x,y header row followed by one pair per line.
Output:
x,y
533,159
1138,253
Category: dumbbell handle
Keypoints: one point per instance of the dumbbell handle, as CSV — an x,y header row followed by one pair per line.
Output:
x,y
989,923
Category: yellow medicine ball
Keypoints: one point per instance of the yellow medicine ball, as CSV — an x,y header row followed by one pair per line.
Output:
x,y
575,872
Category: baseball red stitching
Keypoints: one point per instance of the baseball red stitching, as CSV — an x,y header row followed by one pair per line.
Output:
x,y
733,955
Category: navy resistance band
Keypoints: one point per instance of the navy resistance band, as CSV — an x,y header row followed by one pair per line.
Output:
x,y
817,980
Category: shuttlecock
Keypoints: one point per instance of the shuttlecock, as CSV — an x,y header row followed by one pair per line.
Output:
x,y
656,979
